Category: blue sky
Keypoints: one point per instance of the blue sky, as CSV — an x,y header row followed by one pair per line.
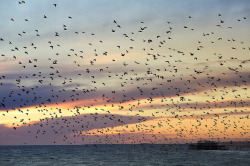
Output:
x,y
88,70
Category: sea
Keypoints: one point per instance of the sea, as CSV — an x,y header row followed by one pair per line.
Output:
x,y
120,155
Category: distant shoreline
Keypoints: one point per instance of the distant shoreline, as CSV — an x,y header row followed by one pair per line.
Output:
x,y
240,144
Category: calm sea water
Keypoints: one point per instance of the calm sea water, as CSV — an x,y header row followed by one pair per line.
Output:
x,y
119,155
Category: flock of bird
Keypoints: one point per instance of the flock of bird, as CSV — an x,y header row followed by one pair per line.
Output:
x,y
137,87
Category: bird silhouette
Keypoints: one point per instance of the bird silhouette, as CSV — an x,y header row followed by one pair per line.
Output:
x,y
133,84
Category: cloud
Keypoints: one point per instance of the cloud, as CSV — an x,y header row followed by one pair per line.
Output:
x,y
63,130
50,94
90,78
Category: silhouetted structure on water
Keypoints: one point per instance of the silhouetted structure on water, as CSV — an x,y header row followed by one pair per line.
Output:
x,y
207,145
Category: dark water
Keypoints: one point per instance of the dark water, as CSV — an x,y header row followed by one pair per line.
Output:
x,y
118,155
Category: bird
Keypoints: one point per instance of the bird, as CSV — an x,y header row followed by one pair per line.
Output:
x,y
123,83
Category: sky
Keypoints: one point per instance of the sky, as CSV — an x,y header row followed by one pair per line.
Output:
x,y
124,72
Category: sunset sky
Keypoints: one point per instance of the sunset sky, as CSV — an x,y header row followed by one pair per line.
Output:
x,y
109,71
